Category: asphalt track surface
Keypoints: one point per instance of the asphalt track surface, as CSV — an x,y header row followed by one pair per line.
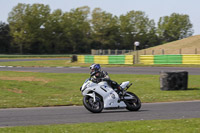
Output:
x,y
78,114
110,70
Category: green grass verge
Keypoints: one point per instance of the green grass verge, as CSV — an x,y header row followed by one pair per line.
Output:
x,y
41,63
29,89
67,63
33,56
147,126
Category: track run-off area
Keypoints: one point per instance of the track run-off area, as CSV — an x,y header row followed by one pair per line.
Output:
x,y
78,114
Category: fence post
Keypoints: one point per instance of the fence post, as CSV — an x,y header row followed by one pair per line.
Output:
x,y
109,51
100,52
180,51
163,51
195,50
93,51
152,52
134,62
115,51
104,52
137,56
123,51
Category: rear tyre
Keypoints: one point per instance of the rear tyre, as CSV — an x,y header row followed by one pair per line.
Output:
x,y
133,104
90,105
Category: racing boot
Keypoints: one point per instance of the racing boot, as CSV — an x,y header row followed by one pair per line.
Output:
x,y
121,92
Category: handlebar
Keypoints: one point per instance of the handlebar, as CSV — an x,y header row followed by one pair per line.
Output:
x,y
129,86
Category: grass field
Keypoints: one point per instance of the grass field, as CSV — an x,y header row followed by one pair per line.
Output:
x,y
68,63
153,126
33,56
30,89
41,63
190,45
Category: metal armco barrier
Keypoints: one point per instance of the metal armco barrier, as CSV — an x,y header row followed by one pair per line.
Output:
x,y
106,59
170,59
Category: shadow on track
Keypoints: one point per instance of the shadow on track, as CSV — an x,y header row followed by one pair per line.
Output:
x,y
119,111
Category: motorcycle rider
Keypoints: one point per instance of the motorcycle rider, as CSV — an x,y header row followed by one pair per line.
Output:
x,y
96,76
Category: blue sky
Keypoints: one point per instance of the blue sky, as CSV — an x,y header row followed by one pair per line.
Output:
x,y
153,8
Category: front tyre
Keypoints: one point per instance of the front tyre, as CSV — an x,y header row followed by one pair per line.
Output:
x,y
133,104
94,107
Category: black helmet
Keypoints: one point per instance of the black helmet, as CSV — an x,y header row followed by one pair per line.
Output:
x,y
95,68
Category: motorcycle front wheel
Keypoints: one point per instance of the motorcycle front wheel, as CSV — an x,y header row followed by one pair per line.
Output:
x,y
90,105
133,104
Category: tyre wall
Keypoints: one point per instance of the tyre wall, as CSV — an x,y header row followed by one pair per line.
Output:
x,y
170,59
106,59
174,80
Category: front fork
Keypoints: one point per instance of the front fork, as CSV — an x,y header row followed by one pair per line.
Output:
x,y
93,95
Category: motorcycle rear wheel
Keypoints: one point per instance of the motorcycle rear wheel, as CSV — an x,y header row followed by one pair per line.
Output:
x,y
133,105
90,105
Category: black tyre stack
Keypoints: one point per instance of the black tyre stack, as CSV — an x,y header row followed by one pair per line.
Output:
x,y
174,80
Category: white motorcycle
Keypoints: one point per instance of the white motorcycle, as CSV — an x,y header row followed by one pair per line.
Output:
x,y
99,96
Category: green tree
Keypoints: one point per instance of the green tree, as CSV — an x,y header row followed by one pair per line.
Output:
x,y
35,30
25,22
77,29
53,33
105,29
136,26
174,27
5,38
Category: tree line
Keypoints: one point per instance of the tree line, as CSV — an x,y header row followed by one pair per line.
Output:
x,y
34,29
